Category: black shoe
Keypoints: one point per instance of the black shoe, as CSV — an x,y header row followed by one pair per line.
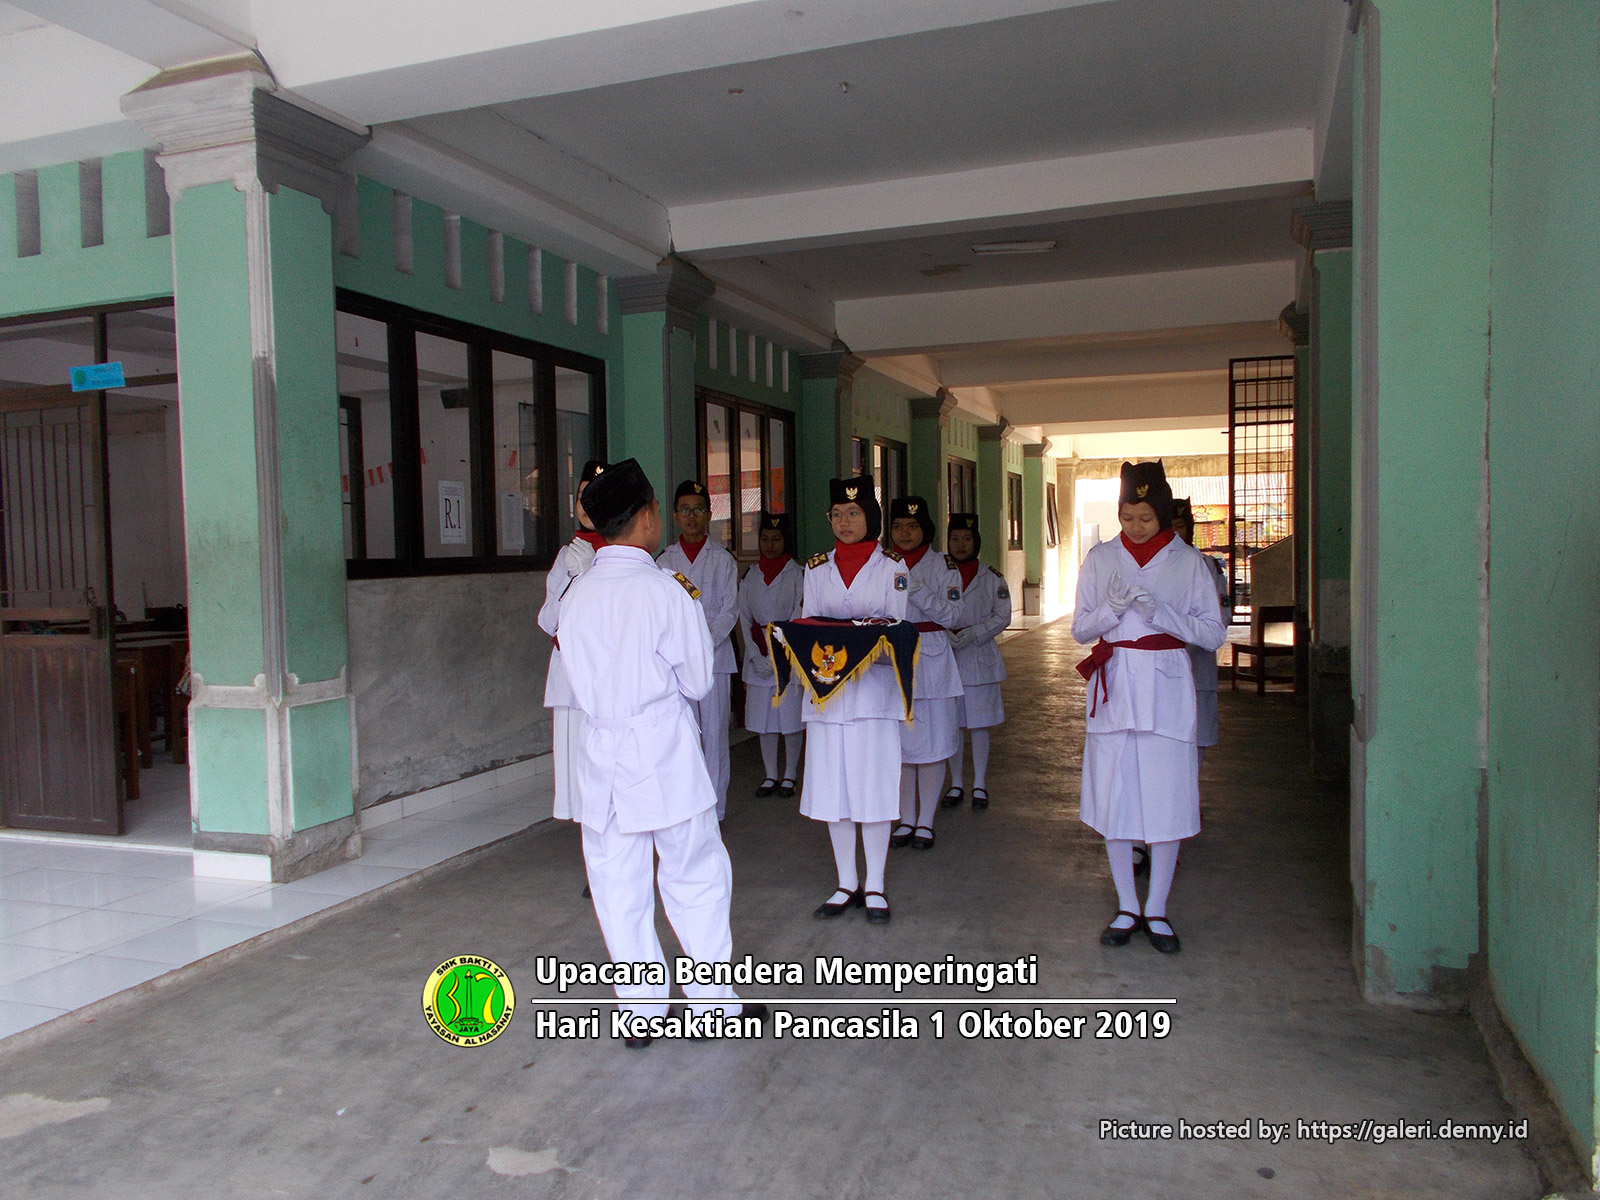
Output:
x,y
587,895
786,788
876,916
768,786
758,1011
923,841
898,839
1112,936
830,908
1167,943
980,798
951,798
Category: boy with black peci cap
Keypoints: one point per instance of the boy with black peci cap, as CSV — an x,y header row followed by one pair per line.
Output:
x,y
638,655
715,573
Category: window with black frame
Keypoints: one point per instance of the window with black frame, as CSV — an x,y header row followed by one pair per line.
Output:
x,y
1014,510
747,463
962,486
459,446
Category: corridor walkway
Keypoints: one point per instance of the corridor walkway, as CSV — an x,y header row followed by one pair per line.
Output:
x,y
306,1068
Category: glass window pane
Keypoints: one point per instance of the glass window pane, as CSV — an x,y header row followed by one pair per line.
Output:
x,y
574,442
777,466
516,456
749,481
363,358
44,352
718,473
444,421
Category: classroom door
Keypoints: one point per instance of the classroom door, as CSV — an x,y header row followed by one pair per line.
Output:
x,y
57,744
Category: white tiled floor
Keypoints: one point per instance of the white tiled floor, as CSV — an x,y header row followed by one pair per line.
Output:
x,y
81,919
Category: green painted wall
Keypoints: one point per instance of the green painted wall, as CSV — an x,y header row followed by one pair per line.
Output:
x,y
925,464
1330,535
961,438
1033,517
881,408
992,502
1423,759
732,372
128,266
819,459
637,428
1544,441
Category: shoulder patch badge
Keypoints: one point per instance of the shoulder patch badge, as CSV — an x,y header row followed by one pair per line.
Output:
x,y
992,571
694,592
893,555
950,562
900,583
1004,593
816,560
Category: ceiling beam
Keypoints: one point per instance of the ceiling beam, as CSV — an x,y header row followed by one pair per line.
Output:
x,y
163,33
1162,352
1084,185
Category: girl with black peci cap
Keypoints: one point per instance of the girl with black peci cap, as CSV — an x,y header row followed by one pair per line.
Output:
x,y
985,612
770,591
1143,599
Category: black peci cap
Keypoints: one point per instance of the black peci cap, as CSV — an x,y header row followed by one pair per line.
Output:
x,y
859,491
1146,483
913,508
616,496
966,523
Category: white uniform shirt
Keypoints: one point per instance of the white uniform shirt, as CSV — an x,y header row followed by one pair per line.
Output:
x,y
985,613
1202,660
1148,690
637,652
935,595
878,590
572,560
716,573
764,603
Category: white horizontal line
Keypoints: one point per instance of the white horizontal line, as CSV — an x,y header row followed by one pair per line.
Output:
x,y
702,1001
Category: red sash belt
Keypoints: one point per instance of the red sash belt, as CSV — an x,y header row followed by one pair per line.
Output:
x,y
929,627
1093,668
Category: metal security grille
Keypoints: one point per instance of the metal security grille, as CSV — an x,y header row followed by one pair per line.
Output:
x,y
1260,464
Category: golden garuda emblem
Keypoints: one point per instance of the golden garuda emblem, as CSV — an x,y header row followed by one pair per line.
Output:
x,y
829,662
850,493
1142,490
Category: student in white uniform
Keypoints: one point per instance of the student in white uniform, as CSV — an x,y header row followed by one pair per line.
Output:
x,y
933,602
712,570
770,591
638,655
985,612
1143,599
1202,660
572,560
853,744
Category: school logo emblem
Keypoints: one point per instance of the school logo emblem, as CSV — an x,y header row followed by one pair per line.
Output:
x,y
953,593
468,1001
829,662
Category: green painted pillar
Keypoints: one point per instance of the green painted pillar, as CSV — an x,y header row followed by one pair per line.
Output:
x,y
1324,230
823,429
1421,232
659,421
928,478
270,716
992,493
1033,481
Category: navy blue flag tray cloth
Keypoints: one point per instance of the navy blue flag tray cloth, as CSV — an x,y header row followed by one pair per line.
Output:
x,y
828,652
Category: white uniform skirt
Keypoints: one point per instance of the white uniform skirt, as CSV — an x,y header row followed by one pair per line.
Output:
x,y
1140,786
934,733
761,717
852,770
1205,718
980,706
567,726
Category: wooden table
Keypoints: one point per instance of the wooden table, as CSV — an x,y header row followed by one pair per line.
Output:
x,y
158,660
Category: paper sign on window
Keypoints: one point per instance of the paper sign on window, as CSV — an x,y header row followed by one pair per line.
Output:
x,y
452,513
511,536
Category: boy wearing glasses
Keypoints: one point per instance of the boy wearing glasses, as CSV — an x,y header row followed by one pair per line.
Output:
x,y
716,574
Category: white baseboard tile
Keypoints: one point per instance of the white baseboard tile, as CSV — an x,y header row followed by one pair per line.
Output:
x,y
248,868
540,766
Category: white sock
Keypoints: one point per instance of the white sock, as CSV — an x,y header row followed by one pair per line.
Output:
x,y
1163,865
980,758
791,756
958,764
875,848
908,795
1120,853
843,834
929,777
769,754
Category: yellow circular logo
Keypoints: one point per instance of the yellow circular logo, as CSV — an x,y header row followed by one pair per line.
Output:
x,y
468,1000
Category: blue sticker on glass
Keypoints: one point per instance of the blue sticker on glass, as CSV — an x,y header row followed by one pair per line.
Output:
x,y
97,377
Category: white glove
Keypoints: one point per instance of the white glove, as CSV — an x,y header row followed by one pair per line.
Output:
x,y
1143,603
959,638
1118,594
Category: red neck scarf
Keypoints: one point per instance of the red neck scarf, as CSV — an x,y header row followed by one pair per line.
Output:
x,y
969,571
913,557
1142,554
851,558
590,536
692,549
771,566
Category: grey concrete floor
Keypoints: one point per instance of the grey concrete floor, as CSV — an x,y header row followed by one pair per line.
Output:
x,y
304,1068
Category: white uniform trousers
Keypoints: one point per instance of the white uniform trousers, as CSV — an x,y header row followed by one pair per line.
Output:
x,y
566,728
696,882
712,713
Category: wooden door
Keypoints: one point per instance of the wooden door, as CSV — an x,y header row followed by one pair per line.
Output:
x,y
57,745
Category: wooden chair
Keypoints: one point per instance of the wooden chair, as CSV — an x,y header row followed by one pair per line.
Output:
x,y
127,688
1260,651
